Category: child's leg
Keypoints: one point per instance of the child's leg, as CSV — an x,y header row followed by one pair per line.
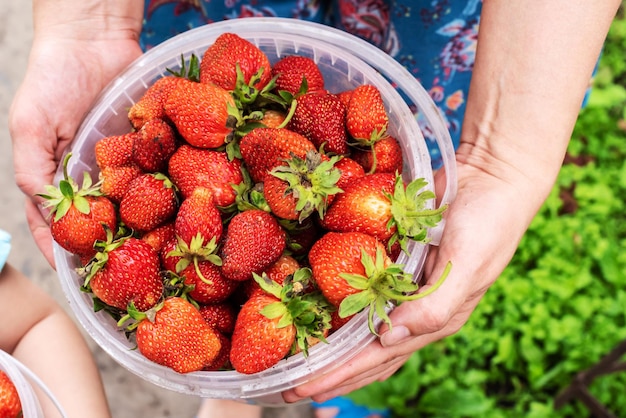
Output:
x,y
45,339
219,408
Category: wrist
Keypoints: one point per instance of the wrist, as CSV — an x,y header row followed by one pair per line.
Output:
x,y
88,19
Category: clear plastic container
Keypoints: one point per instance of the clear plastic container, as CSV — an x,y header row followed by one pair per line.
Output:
x,y
346,62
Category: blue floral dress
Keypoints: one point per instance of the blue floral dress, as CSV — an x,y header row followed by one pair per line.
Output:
x,y
434,39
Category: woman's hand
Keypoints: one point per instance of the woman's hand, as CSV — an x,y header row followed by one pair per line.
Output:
x,y
74,55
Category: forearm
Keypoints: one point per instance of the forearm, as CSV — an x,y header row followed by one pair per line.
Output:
x,y
533,64
89,19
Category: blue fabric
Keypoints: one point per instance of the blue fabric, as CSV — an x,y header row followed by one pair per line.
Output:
x,y
5,247
348,409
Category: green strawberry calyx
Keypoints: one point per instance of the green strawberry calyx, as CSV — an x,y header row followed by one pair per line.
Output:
x,y
60,199
311,181
409,213
103,247
188,69
135,316
381,285
300,304
194,253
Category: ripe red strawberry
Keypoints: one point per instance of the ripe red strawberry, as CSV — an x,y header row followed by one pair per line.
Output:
x,y
191,167
350,170
220,60
366,116
176,336
116,150
154,145
344,97
149,202
291,71
258,342
222,359
338,253
201,113
151,104
353,271
220,316
199,219
209,285
385,156
126,270
115,180
79,214
168,263
364,206
160,236
284,319
320,117
300,187
10,404
381,205
252,242
283,267
273,118
265,148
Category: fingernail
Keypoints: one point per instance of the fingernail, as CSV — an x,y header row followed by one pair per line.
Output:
x,y
395,336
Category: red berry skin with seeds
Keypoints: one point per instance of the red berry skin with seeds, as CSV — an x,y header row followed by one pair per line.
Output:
x,y
199,215
150,202
151,104
222,359
115,150
117,179
350,170
388,153
131,274
200,113
178,338
265,148
10,404
290,71
191,167
321,119
340,252
257,342
154,146
363,207
220,316
168,262
285,266
77,232
219,62
282,203
159,237
212,287
366,114
252,242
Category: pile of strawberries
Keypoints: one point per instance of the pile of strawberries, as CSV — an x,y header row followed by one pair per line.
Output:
x,y
246,215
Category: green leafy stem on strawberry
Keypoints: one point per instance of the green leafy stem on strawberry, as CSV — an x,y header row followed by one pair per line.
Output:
x,y
381,285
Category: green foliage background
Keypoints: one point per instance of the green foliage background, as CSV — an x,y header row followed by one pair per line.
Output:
x,y
561,303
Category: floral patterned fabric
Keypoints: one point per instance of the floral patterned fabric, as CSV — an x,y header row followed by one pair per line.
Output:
x,y
435,39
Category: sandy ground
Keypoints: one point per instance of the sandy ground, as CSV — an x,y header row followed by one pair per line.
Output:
x,y
129,395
